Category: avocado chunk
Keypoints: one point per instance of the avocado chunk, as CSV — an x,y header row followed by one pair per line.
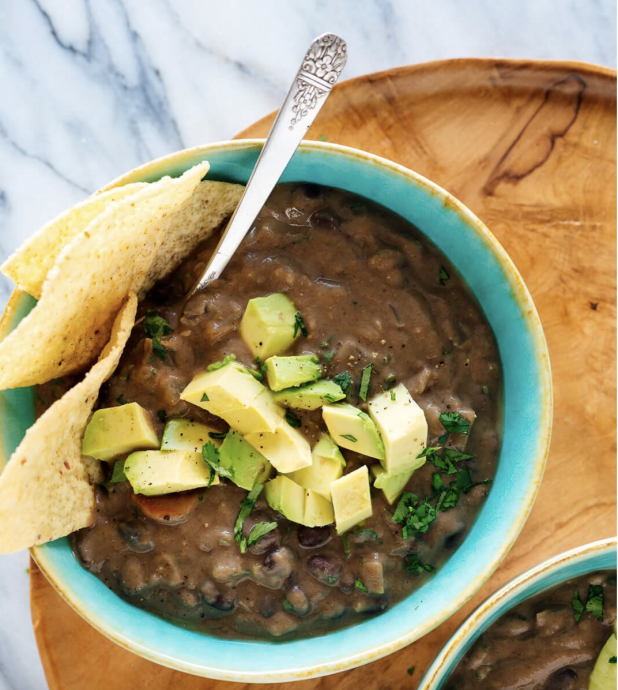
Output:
x,y
233,394
183,434
403,429
248,467
286,497
268,325
299,505
286,372
328,464
604,676
113,431
318,510
392,485
310,397
286,449
351,499
353,429
155,472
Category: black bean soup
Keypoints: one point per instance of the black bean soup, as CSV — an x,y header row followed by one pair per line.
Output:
x,y
370,289
548,642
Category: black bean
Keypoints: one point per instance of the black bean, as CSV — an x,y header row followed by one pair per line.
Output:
x,y
311,191
136,534
324,569
325,218
452,541
218,599
268,606
296,601
370,605
565,679
280,562
312,537
266,543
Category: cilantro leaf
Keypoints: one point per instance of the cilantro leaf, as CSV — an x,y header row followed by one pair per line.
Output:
x,y
121,400
346,545
299,325
156,327
246,506
359,585
407,501
211,458
577,606
594,604
454,423
365,381
118,474
259,530
411,670
349,437
204,398
162,415
612,660
219,365
292,419
444,276
415,565
344,381
217,434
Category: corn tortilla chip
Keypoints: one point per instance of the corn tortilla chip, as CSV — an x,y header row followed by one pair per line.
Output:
x,y
47,488
91,278
29,265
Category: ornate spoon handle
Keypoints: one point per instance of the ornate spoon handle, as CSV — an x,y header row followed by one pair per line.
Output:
x,y
319,72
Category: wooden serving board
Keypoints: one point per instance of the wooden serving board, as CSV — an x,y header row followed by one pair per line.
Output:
x,y
530,147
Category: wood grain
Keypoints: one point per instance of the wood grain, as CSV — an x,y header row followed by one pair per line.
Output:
x,y
530,147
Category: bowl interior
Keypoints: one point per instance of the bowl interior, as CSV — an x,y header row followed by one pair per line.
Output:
x,y
585,559
527,414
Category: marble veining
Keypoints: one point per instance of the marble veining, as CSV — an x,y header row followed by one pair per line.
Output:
x,y
92,88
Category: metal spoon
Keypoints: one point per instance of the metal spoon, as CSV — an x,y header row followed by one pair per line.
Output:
x,y
318,73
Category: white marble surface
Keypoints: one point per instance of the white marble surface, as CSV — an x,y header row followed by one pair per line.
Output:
x,y
92,88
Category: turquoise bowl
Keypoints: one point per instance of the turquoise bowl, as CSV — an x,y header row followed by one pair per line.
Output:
x,y
600,555
508,307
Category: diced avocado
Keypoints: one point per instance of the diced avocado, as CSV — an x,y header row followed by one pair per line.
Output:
x,y
392,485
286,449
403,428
351,499
287,497
262,415
248,467
353,429
286,372
311,396
228,388
604,676
113,431
155,472
318,510
183,434
267,326
328,464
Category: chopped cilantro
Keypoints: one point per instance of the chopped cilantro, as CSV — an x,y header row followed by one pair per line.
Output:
x,y
359,585
454,423
444,276
261,365
411,670
594,604
118,474
246,506
389,381
326,343
299,325
485,390
219,365
365,381
162,415
292,419
415,565
393,396
578,607
328,356
256,374
259,530
611,660
349,437
330,398
346,545
204,398
217,434
415,517
331,579
211,458
344,381
156,327
121,400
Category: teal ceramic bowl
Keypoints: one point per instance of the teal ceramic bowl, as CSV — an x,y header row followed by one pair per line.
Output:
x,y
600,555
527,422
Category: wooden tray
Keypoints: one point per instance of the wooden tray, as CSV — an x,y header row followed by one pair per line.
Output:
x,y
530,147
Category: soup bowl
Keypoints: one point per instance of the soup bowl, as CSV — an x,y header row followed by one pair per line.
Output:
x,y
527,414
600,555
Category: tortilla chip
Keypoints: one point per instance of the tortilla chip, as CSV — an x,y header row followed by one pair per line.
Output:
x,y
47,488
194,222
88,283
29,265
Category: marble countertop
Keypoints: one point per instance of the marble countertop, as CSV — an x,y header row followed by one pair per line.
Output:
x,y
92,88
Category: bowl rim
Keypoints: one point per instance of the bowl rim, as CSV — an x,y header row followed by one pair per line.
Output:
x,y
502,600
542,434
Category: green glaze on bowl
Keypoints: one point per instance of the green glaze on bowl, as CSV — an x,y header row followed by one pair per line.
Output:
x,y
600,555
527,425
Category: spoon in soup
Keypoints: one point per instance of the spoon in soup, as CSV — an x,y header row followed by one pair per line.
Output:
x,y
318,73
